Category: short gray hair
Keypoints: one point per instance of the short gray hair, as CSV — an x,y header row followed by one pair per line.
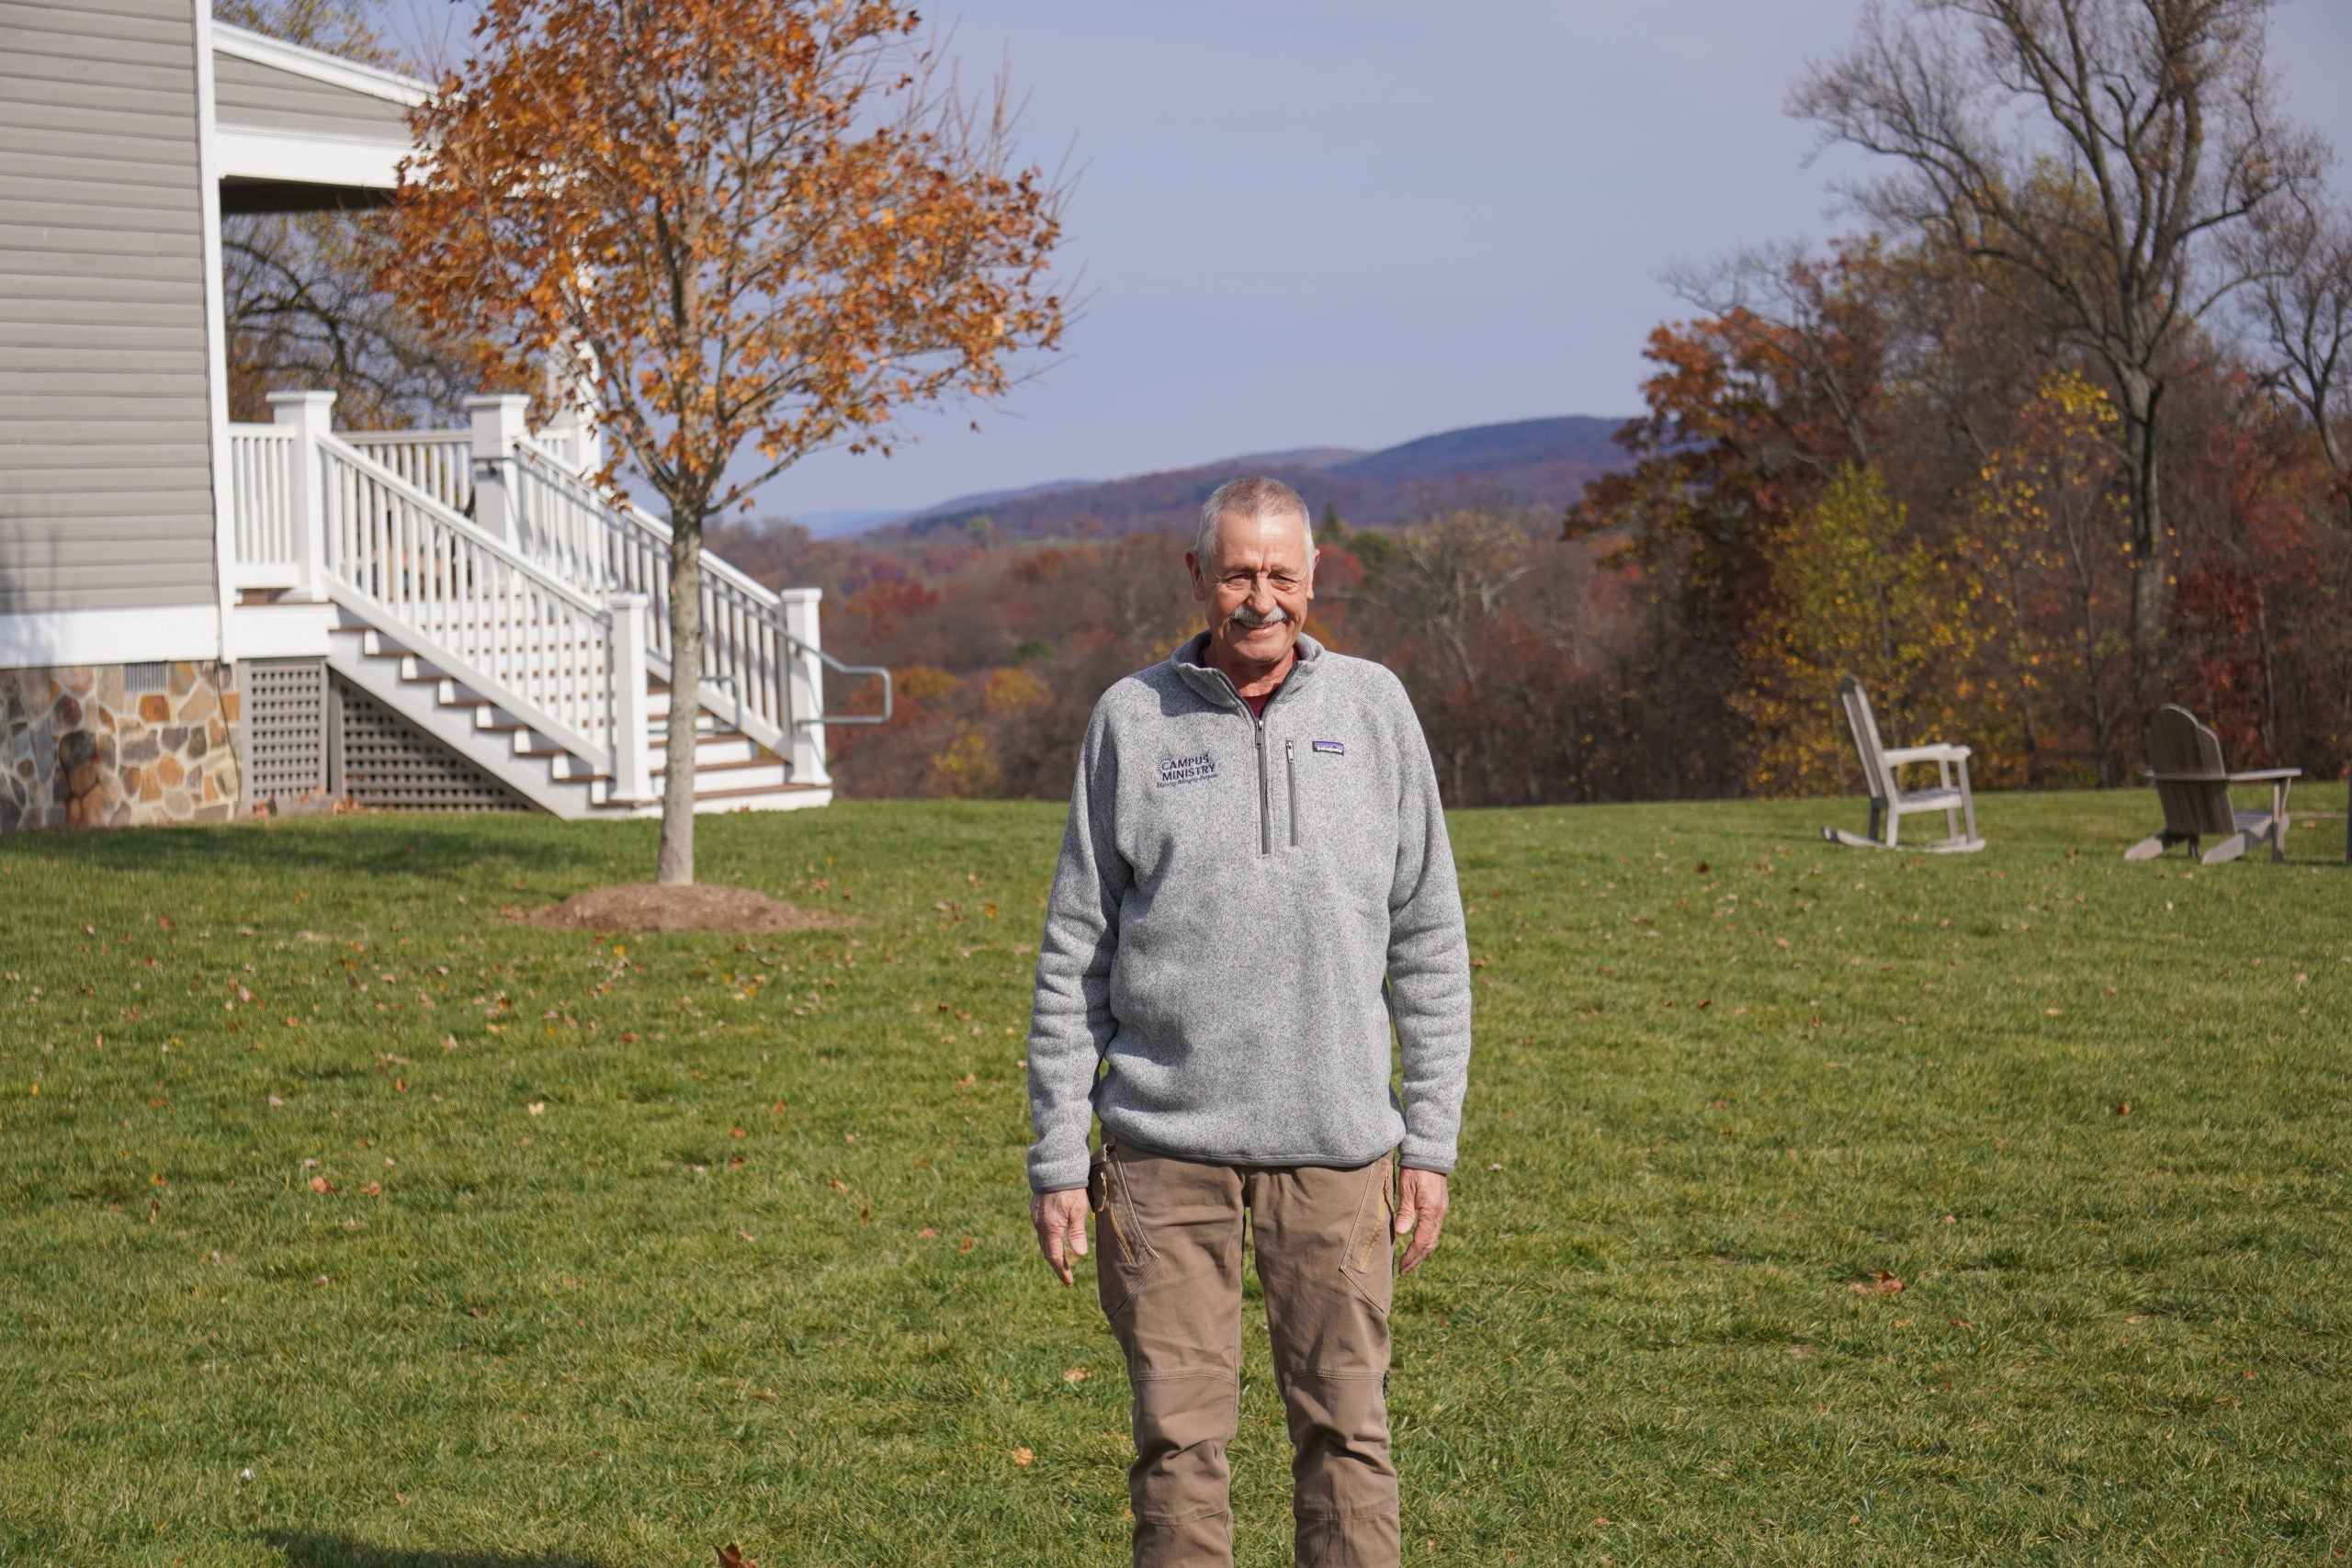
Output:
x,y
1252,498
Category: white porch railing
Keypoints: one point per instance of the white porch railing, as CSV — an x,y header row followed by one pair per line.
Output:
x,y
438,462
261,462
487,552
530,641
749,646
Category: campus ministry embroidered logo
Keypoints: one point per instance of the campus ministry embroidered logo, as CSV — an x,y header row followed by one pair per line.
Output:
x,y
1331,746
1186,770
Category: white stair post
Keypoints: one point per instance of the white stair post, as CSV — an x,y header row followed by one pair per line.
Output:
x,y
632,741
574,430
499,421
309,415
806,682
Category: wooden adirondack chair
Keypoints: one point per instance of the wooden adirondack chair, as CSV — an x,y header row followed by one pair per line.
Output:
x,y
2194,787
1890,802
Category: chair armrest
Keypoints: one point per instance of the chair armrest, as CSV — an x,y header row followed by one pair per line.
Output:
x,y
1939,752
2265,775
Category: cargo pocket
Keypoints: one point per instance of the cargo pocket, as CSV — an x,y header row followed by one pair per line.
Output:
x,y
1122,1254
1370,1263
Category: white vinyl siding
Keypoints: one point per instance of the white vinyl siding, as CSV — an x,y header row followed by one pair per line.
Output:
x,y
106,457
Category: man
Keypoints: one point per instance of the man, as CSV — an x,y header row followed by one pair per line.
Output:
x,y
1255,886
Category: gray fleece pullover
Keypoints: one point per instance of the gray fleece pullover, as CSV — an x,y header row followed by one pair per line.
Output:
x,y
1245,907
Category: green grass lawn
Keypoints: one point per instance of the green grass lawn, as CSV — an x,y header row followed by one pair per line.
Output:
x,y
629,1246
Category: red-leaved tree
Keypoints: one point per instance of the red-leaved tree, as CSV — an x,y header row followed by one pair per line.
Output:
x,y
765,227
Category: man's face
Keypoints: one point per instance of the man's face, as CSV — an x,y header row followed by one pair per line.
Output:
x,y
1257,588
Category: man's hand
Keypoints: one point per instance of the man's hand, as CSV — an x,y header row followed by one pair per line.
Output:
x,y
1060,1219
1421,1213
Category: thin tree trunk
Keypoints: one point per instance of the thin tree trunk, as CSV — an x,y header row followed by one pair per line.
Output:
x,y
2020,656
2269,672
2146,619
675,863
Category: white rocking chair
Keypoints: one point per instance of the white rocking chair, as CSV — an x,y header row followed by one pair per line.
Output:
x,y
1890,802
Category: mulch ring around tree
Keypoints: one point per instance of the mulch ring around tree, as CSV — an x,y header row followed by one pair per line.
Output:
x,y
651,907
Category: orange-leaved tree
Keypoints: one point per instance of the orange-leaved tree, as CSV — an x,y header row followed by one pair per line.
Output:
x,y
763,226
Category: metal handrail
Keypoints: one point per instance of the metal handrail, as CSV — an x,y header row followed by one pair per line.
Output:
x,y
831,663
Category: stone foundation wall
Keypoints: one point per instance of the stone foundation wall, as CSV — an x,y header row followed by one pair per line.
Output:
x,y
76,751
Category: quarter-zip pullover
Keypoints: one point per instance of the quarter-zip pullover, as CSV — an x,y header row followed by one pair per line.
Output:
x,y
1233,962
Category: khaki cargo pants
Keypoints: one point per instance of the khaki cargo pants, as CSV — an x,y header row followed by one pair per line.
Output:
x,y
1168,1234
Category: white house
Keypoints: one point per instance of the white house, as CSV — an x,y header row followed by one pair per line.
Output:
x,y
198,617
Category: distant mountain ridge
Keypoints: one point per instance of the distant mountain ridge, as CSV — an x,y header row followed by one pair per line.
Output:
x,y
1538,463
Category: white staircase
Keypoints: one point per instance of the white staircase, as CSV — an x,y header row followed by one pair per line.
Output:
x,y
473,584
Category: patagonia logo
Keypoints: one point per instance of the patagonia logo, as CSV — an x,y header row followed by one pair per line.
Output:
x,y
1186,770
1331,746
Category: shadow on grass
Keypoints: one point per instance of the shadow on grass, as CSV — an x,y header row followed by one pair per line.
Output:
x,y
417,844
306,1549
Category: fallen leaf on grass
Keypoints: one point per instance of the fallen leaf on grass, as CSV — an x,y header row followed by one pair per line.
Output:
x,y
731,1556
968,1243
275,1102
1024,1457
928,1231
321,1184
2123,1108
538,1108
1076,1374
1879,1284
373,1190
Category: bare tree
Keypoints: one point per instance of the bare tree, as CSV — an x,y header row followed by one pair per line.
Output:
x,y
2300,307
2105,147
303,309
1811,319
299,301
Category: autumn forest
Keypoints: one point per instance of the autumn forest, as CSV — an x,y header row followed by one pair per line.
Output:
x,y
2052,435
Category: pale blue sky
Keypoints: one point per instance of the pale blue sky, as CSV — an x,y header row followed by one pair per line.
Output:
x,y
1351,222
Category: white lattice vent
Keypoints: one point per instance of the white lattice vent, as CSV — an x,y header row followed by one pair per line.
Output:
x,y
387,762
286,727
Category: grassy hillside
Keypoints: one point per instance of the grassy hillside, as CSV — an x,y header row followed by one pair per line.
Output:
x,y
345,1221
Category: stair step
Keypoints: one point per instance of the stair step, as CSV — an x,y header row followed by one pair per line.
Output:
x,y
754,789
702,737
701,767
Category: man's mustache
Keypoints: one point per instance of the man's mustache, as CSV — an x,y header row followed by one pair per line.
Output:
x,y
1274,616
